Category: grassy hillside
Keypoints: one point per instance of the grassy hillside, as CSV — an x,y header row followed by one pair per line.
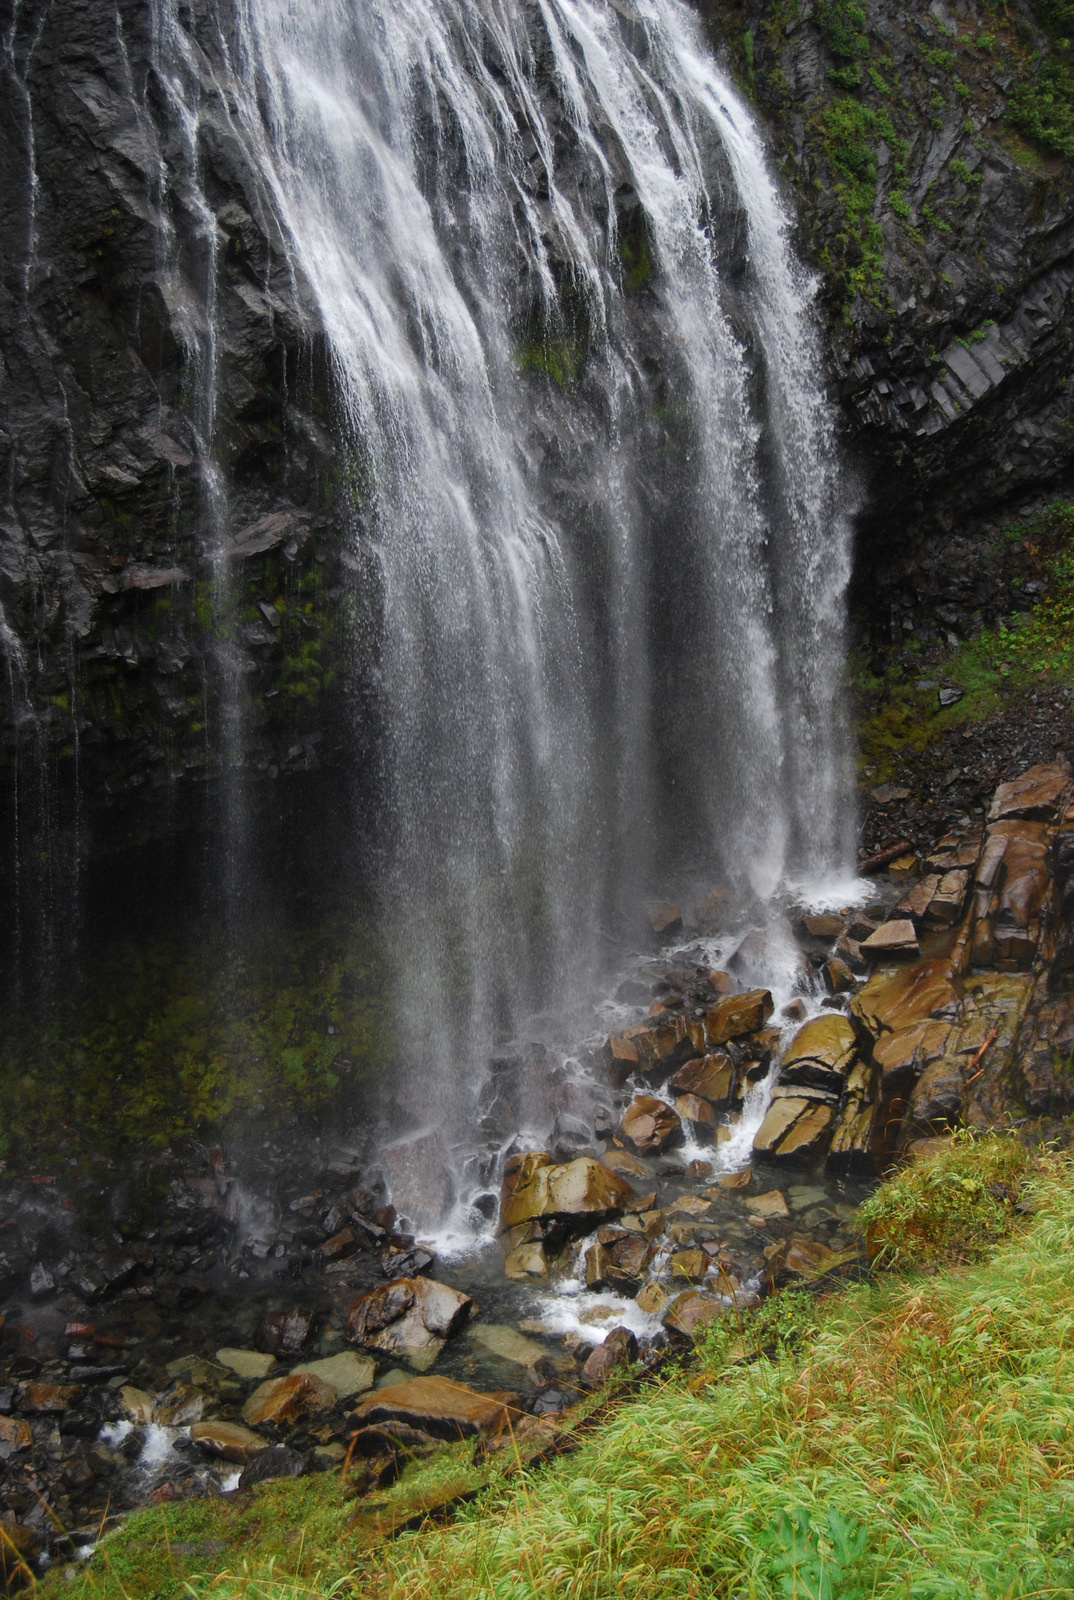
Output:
x,y
913,1437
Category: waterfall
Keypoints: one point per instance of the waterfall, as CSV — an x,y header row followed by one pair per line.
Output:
x,y
585,444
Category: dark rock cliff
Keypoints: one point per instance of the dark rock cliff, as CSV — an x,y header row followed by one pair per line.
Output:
x,y
170,548
167,542
928,149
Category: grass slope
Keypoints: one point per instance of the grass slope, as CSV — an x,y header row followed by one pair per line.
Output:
x,y
912,1437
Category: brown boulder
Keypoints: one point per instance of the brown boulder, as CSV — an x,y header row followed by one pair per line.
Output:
x,y
283,1401
437,1406
897,937
691,1108
738,1014
691,1311
937,1096
824,925
580,1195
802,1257
849,1154
916,901
339,1246
184,1405
47,1397
820,1054
664,918
620,1058
902,1056
19,1546
526,1261
945,907
689,1264
227,1440
1035,794
712,1077
796,1129
411,1318
626,1165
15,1434
891,1001
619,1349
650,1125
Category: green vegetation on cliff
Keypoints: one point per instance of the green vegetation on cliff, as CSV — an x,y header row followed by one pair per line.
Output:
x,y
169,1037
909,1437
1029,650
889,88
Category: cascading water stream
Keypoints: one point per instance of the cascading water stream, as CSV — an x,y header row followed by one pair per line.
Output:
x,y
586,439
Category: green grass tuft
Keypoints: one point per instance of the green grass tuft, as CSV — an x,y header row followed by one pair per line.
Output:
x,y
905,1437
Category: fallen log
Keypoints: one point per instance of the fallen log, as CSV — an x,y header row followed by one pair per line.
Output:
x,y
880,858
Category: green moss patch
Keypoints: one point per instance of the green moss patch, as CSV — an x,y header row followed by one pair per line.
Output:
x,y
170,1036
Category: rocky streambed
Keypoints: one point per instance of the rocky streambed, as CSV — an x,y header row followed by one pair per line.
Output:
x,y
196,1324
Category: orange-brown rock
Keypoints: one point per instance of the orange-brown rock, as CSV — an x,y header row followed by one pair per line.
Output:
x,y
821,1054
49,1396
795,1130
689,1264
626,1165
581,1194
890,1001
802,1257
410,1318
15,1434
691,1108
712,1077
736,1015
619,1349
897,937
903,1056
438,1406
691,1311
230,1441
181,1406
284,1401
650,1125
18,1547
620,1058
1034,794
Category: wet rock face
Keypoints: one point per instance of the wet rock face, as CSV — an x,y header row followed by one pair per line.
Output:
x,y
105,525
948,298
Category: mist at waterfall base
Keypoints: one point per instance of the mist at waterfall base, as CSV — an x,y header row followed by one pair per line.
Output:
x,y
591,485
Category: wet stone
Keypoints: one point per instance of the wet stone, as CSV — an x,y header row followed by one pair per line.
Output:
x,y
247,1364
283,1401
229,1441
691,1311
437,1406
710,1077
286,1333
46,1397
738,1014
411,1318
347,1373
895,938
277,1461
619,1350
650,1125
184,1405
135,1405
580,1194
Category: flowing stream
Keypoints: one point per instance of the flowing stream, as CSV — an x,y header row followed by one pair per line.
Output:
x,y
589,467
